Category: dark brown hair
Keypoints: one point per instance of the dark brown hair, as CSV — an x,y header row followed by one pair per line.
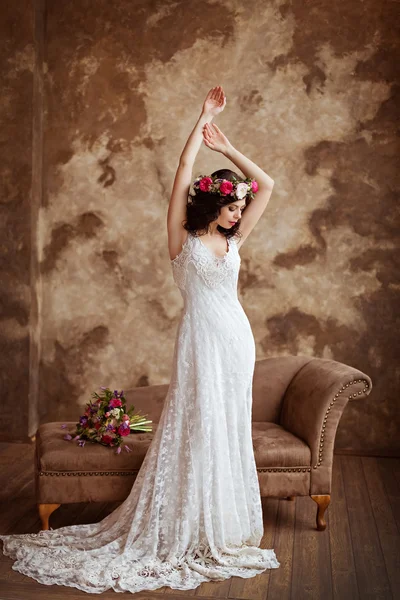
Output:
x,y
204,207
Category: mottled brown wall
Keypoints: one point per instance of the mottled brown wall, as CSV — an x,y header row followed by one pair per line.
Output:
x,y
312,98
18,313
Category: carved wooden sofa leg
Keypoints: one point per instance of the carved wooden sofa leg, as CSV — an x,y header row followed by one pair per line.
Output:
x,y
45,510
323,503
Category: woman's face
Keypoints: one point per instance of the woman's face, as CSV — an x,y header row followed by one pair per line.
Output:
x,y
231,213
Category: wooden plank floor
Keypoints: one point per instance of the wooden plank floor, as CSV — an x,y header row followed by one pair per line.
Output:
x,y
357,556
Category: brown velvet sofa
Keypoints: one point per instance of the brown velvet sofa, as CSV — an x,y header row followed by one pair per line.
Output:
x,y
297,405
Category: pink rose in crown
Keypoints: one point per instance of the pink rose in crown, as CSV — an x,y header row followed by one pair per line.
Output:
x,y
226,187
205,184
254,186
115,403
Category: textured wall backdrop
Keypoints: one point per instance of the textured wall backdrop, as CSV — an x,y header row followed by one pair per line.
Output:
x,y
119,84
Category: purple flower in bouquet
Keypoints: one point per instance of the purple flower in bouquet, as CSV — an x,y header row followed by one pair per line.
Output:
x,y
83,421
110,427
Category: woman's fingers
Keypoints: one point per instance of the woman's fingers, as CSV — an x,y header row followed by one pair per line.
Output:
x,y
211,129
207,136
210,94
217,93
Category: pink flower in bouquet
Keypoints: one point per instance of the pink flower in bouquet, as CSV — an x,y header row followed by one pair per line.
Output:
x,y
205,184
115,403
125,418
107,414
226,187
107,439
254,186
124,429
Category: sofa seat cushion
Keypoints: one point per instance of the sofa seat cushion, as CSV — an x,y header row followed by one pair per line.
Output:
x,y
54,453
274,446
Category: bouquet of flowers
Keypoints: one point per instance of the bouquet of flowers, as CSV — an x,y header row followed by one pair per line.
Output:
x,y
107,421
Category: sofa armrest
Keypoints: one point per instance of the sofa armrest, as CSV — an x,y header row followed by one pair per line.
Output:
x,y
315,400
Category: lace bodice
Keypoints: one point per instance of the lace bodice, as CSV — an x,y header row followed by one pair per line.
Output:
x,y
213,270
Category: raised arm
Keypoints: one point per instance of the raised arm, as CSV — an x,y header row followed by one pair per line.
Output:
x,y
213,105
216,140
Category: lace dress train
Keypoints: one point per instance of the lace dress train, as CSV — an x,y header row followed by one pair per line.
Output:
x,y
194,513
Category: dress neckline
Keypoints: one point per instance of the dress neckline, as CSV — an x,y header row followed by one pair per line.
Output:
x,y
213,253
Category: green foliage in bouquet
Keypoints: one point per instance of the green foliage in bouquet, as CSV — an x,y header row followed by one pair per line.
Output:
x,y
107,421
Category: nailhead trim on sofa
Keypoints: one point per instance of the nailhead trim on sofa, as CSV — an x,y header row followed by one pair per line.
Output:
x,y
102,473
321,444
84,473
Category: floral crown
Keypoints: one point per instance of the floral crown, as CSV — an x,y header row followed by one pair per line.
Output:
x,y
225,187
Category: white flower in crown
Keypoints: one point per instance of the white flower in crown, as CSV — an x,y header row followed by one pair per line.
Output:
x,y
241,190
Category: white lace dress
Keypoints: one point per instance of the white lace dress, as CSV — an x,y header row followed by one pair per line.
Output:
x,y
194,513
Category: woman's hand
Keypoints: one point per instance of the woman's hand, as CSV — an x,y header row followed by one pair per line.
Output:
x,y
215,139
215,102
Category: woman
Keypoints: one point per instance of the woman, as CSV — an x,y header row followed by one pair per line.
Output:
x,y
194,513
